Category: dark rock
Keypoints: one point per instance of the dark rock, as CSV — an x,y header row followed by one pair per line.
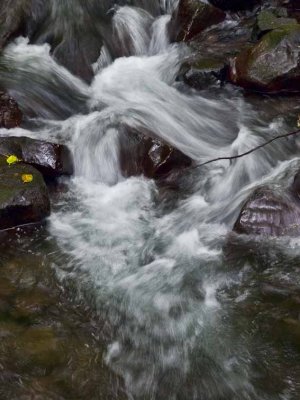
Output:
x,y
201,74
21,203
51,159
234,5
272,65
160,159
271,213
59,25
12,19
72,29
211,52
192,17
291,331
293,8
10,114
141,154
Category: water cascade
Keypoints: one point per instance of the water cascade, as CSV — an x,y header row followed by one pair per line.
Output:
x,y
179,312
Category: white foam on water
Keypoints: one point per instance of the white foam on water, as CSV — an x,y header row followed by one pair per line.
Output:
x,y
155,272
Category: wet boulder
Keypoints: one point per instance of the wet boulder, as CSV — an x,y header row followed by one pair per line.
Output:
x,y
10,114
24,196
211,52
272,65
271,213
192,17
160,159
51,159
203,73
143,155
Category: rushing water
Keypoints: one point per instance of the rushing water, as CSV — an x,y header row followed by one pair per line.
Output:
x,y
185,321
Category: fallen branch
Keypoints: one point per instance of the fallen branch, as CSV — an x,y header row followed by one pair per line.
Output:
x,y
249,151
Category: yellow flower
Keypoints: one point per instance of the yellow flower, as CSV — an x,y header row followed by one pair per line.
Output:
x,y
12,159
27,178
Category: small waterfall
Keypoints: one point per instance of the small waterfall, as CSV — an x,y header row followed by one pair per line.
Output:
x,y
131,27
155,269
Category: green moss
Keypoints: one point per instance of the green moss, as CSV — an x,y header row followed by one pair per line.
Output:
x,y
267,20
272,39
207,64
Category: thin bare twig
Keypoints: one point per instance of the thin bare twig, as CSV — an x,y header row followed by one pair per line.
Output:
x,y
249,151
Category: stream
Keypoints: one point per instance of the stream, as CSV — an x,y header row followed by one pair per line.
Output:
x,y
152,296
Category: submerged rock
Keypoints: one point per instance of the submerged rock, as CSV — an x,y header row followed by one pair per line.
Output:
x,y
10,114
12,19
269,213
60,24
272,65
142,155
21,202
192,17
41,347
51,159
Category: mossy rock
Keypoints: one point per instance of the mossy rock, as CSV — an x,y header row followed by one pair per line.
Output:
x,y
51,159
272,65
268,20
201,73
20,202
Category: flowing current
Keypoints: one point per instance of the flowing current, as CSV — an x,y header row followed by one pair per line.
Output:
x,y
186,322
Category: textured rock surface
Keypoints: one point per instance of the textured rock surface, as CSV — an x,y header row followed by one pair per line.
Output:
x,y
192,17
21,203
142,155
269,213
51,159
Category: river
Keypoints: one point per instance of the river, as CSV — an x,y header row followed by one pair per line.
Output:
x,y
180,299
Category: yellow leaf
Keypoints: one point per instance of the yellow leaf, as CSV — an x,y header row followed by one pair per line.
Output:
x,y
27,178
12,159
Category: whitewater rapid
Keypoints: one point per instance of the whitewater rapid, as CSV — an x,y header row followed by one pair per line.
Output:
x,y
153,265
